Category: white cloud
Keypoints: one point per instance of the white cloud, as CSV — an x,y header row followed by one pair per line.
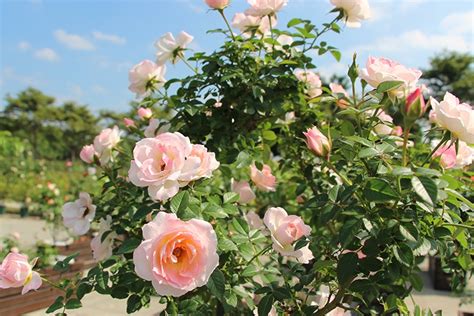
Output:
x,y
9,74
24,46
191,4
73,41
115,39
46,54
76,91
98,89
461,22
327,70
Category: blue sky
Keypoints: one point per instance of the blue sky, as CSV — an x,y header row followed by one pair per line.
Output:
x,y
82,49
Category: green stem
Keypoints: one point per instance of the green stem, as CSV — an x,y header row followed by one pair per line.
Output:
x,y
189,65
264,250
318,34
344,178
441,143
406,133
271,29
221,11
53,284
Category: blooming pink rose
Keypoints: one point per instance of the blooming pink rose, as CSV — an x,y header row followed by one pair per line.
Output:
x,y
206,162
248,23
105,142
102,250
170,48
16,271
449,159
285,230
311,80
217,4
264,180
128,122
265,7
87,153
243,189
354,10
176,256
79,214
454,116
254,221
379,70
385,127
317,142
146,76
144,113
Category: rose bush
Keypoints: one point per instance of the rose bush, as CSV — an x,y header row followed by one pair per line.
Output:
x,y
272,192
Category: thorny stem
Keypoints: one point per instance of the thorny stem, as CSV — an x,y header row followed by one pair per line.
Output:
x,y
318,34
264,250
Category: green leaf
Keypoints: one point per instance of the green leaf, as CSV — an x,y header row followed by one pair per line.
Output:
x,y
179,202
346,267
388,86
368,152
281,293
265,305
240,226
294,22
73,303
336,54
402,171
142,212
134,303
403,254
379,190
83,289
58,303
425,188
230,197
129,245
407,234
226,245
119,291
269,135
216,283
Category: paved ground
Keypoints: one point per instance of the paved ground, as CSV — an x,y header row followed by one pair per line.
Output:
x,y
32,230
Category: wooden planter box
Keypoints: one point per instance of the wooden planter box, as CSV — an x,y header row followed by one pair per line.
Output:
x,y
12,303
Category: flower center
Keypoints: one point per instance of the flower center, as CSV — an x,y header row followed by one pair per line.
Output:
x,y
177,252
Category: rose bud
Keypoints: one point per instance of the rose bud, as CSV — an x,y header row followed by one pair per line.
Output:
x,y
217,4
317,142
144,113
415,105
128,122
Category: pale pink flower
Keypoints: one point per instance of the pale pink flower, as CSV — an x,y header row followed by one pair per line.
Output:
x,y
337,90
449,159
145,77
264,180
282,40
244,190
397,131
87,153
105,142
152,127
317,142
176,256
217,4
385,127
128,122
285,230
206,162
170,48
311,80
454,116
354,11
102,250
247,23
265,7
254,221
380,70
79,214
16,271
144,113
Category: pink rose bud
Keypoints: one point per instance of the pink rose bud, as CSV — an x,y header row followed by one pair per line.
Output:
x,y
217,4
414,106
317,142
69,163
264,180
87,153
144,113
16,271
128,122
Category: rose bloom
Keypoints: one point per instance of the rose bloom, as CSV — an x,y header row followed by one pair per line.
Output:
x,y
87,153
285,230
102,250
384,127
128,122
311,80
264,180
379,70
170,48
247,23
243,189
339,89
206,162
354,11
146,75
317,142
105,141
79,214
16,271
144,113
254,221
217,4
176,256
449,159
265,7
152,128
454,116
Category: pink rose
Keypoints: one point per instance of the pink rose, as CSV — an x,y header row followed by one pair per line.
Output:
x,y
247,24
128,122
79,214
379,70
454,116
205,161
397,131
144,113
385,127
311,80
152,129
87,153
285,230
317,142
16,271
243,189
338,89
170,48
354,11
254,221
449,159
102,250
217,4
176,256
145,77
105,142
265,7
264,180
